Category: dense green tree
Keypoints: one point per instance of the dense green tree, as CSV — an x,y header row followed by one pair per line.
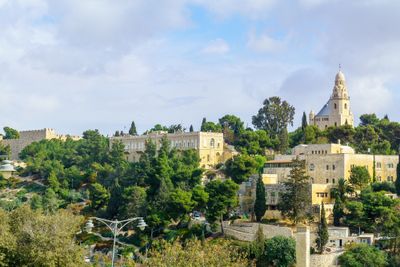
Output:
x,y
10,133
191,128
5,151
176,128
210,126
115,199
200,196
279,251
50,202
133,202
260,205
338,211
340,193
53,181
365,139
99,196
29,238
322,233
359,177
274,116
294,202
241,167
36,202
368,119
384,186
132,129
361,255
253,142
180,203
257,247
233,123
343,133
222,199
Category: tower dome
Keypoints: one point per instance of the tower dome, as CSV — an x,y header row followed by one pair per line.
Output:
x,y
340,76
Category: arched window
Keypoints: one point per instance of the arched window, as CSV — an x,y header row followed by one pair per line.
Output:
x,y
345,106
212,142
335,105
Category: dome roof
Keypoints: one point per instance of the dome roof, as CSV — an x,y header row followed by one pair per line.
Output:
x,y
340,76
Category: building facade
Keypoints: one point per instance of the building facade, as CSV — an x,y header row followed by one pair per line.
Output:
x,y
28,137
210,146
336,112
325,164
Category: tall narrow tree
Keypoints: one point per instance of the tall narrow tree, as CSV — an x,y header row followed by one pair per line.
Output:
x,y
283,141
322,234
203,123
191,128
304,123
132,129
398,178
260,205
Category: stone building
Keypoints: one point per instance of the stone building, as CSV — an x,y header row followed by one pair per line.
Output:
x,y
28,137
336,112
325,164
210,146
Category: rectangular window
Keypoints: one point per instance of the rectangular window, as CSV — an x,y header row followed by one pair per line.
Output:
x,y
327,167
333,167
327,181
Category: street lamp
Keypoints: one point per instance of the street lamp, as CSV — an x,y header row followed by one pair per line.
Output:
x,y
115,226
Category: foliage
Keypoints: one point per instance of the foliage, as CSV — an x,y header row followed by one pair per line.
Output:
x,y
195,254
260,205
279,251
388,187
10,133
30,238
5,150
253,142
222,198
359,177
361,255
283,141
274,116
132,129
294,202
322,233
210,126
241,167
99,196
397,182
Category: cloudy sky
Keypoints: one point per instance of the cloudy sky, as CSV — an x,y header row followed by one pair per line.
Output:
x,y
74,65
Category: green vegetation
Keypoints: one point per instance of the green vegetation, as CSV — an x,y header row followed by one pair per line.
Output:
x,y
295,200
322,234
10,133
363,255
359,177
260,205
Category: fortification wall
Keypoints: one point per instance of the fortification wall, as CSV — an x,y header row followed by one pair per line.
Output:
x,y
28,137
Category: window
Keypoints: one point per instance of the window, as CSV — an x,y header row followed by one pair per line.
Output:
x,y
390,165
208,158
212,142
333,181
335,105
312,167
378,165
333,167
327,181
345,106
327,167
335,124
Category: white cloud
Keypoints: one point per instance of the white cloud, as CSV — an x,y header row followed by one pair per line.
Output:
x,y
264,43
217,46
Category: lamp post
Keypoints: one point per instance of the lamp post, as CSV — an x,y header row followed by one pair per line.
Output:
x,y
115,226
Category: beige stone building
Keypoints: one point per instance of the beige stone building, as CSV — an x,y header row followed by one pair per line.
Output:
x,y
325,164
210,146
28,137
336,112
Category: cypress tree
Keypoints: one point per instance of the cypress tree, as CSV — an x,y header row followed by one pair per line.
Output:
x,y
259,205
304,123
203,122
398,178
338,212
132,130
191,128
322,234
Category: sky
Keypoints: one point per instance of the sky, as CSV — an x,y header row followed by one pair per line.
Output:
x,y
74,65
